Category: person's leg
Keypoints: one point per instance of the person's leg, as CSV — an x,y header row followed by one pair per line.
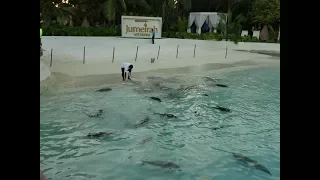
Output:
x,y
129,71
129,74
122,73
152,39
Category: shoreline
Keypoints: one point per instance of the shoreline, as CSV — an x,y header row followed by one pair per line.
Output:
x,y
68,69
59,81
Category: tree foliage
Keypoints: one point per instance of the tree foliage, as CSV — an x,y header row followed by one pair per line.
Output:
x,y
174,13
55,9
266,12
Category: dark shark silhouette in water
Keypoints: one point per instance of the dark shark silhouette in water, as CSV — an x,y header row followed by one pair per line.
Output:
x,y
145,140
163,164
99,134
247,161
221,85
222,108
166,115
187,88
98,114
104,90
210,79
157,99
211,128
143,122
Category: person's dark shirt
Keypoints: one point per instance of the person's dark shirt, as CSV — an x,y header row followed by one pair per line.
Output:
x,y
40,23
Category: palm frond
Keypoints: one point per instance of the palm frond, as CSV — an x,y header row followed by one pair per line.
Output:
x,y
123,5
186,4
144,4
171,4
240,19
109,10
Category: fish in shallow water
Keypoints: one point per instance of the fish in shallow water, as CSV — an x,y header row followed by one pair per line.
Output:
x,y
157,99
104,90
222,109
163,164
99,134
166,115
250,163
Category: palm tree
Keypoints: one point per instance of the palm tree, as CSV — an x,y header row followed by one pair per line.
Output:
x,y
87,10
111,7
56,8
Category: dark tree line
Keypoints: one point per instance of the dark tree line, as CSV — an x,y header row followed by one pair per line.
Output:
x,y
243,14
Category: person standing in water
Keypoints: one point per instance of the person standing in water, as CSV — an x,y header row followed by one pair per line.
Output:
x,y
124,68
153,35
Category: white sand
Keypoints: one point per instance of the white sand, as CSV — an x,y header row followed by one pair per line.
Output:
x,y
68,54
44,72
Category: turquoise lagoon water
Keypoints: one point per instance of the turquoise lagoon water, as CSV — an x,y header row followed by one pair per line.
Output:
x,y
252,129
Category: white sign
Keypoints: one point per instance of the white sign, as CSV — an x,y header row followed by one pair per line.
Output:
x,y
140,27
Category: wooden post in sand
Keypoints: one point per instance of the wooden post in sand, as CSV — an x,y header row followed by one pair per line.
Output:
x,y
84,54
194,51
158,52
114,48
51,58
137,53
177,51
225,57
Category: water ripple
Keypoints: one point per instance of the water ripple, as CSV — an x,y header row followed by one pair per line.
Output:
x,y
252,129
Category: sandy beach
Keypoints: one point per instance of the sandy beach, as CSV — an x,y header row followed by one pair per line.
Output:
x,y
68,64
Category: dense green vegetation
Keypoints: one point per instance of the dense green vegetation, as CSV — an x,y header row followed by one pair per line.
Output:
x,y
104,16
80,31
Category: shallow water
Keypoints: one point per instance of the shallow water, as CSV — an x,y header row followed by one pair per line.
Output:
x,y
252,129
